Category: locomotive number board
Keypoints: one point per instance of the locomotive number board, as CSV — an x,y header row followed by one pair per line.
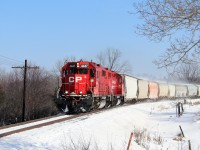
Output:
x,y
84,66
72,65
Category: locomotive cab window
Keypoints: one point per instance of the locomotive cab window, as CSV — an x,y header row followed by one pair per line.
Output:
x,y
65,72
83,71
103,73
92,73
73,71
119,80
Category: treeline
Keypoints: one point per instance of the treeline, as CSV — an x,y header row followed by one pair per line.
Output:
x,y
40,95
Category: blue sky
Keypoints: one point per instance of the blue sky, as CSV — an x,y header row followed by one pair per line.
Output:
x,y
45,31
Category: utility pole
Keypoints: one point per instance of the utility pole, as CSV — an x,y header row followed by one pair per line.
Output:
x,y
25,67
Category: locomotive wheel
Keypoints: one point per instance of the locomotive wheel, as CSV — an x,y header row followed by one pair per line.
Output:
x,y
114,101
108,102
122,100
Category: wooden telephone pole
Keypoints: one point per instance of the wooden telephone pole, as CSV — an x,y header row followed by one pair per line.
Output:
x,y
25,67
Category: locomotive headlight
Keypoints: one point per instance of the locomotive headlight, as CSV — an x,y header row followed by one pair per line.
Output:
x,y
66,92
91,80
81,92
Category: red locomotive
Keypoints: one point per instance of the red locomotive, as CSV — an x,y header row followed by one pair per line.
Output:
x,y
87,86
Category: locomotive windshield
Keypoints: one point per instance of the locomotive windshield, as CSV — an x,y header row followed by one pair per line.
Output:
x,y
75,71
83,71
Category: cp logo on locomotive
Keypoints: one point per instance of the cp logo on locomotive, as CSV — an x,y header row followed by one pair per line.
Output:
x,y
71,79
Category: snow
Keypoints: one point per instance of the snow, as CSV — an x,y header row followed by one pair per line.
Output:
x,y
112,129
30,124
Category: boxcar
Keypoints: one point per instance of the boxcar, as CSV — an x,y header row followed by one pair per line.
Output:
x,y
153,90
143,89
130,88
163,90
181,90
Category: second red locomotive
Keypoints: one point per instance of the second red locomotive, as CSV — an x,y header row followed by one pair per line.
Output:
x,y
87,86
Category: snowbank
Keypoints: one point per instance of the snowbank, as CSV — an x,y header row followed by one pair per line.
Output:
x,y
112,129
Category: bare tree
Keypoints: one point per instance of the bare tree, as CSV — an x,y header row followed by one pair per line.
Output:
x,y
40,83
10,107
111,58
60,63
39,95
175,20
189,73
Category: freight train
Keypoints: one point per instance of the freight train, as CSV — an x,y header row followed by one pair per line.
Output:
x,y
88,86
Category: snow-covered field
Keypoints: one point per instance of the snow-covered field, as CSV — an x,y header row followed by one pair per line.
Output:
x,y
156,121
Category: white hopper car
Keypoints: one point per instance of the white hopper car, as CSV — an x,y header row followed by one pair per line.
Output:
x,y
136,89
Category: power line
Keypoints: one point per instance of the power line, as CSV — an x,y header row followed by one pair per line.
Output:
x,y
9,63
10,59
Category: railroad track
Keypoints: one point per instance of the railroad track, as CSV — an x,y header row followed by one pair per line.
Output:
x,y
36,124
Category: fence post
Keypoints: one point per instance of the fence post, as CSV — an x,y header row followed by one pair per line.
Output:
x,y
189,145
181,131
185,101
129,142
182,108
178,109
